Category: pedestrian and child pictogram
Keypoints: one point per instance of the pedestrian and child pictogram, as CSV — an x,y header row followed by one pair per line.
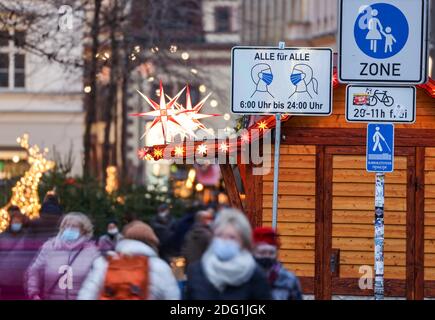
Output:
x,y
381,30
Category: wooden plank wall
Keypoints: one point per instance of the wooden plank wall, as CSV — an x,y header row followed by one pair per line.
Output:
x,y
429,219
353,215
296,207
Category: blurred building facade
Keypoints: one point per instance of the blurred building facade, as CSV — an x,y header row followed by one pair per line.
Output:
x,y
297,22
39,97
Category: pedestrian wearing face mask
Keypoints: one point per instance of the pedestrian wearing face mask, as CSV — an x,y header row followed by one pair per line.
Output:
x,y
16,253
64,261
285,285
108,241
227,270
198,238
163,225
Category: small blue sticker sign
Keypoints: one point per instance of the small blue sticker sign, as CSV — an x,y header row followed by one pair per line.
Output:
x,y
380,147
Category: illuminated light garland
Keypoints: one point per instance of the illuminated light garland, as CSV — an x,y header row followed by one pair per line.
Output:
x,y
112,183
179,151
223,147
245,138
25,192
202,149
158,153
254,132
262,125
4,219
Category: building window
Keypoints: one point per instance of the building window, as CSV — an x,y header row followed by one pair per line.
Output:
x,y
12,60
222,19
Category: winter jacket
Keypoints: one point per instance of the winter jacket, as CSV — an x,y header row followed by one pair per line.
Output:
x,y
199,287
163,285
17,251
196,243
285,285
49,276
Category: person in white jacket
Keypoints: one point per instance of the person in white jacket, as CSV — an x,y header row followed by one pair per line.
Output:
x,y
139,239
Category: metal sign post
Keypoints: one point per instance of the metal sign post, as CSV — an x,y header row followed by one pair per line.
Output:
x,y
379,236
380,159
276,170
281,45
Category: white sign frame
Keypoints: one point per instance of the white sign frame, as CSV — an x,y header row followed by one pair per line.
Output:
x,y
344,75
285,110
374,120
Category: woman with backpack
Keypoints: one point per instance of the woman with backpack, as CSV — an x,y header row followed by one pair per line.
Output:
x,y
63,261
133,272
227,270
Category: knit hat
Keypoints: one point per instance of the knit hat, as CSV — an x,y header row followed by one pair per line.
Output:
x,y
265,235
138,230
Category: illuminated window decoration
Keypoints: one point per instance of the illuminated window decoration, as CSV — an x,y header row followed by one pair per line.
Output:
x,y
25,192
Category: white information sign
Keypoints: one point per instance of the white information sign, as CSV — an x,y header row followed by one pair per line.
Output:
x,y
294,81
380,104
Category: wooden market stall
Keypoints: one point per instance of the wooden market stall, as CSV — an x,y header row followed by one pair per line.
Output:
x,y
326,203
326,199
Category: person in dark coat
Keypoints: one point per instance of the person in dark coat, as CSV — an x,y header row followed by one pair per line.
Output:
x,y
227,270
285,285
16,254
47,225
198,238
110,239
182,227
163,225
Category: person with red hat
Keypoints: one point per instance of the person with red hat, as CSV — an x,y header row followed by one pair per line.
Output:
x,y
284,284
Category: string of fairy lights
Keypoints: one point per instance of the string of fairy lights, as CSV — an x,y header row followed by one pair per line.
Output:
x,y
25,192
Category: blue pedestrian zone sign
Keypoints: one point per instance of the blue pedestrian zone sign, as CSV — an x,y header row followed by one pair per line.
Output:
x,y
381,30
380,147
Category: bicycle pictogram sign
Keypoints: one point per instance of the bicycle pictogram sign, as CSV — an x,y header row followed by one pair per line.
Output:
x,y
379,96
